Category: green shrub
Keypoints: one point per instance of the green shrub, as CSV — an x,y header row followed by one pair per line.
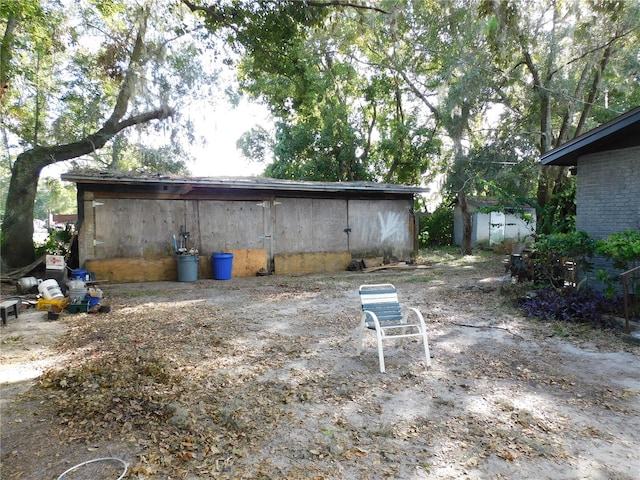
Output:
x,y
562,255
623,248
437,228
505,247
559,214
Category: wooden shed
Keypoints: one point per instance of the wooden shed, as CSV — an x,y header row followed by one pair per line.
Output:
x,y
126,223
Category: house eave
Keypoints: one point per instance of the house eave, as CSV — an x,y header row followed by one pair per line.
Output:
x,y
621,132
237,183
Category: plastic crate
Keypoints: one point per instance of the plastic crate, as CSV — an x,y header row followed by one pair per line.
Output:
x,y
44,305
78,307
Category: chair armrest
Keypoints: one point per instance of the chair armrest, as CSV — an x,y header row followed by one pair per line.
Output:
x,y
376,322
419,315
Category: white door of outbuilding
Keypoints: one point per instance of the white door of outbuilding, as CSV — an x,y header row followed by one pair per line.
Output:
x,y
497,224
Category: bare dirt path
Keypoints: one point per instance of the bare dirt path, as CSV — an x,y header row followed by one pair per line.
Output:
x,y
258,378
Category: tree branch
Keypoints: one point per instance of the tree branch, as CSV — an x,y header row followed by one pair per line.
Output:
x,y
595,85
339,3
47,155
418,93
124,95
371,126
568,114
216,15
6,53
225,19
606,46
95,141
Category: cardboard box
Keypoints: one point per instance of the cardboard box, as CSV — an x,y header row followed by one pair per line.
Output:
x,y
55,262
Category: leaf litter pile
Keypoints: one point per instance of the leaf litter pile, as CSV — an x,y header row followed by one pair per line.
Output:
x,y
258,378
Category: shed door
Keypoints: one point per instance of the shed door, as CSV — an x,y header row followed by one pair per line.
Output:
x,y
497,223
304,225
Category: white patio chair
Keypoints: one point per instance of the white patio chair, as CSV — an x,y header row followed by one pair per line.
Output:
x,y
381,311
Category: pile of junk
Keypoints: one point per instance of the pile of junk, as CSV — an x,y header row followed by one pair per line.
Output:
x,y
71,290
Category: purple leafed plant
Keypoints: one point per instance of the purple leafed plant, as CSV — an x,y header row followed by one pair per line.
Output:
x,y
584,306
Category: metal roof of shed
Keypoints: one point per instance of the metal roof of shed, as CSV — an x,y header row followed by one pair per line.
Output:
x,y
621,132
262,183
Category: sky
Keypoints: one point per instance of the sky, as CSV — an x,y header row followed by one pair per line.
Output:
x,y
222,126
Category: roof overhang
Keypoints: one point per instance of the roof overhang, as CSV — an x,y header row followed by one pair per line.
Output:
x,y
236,183
621,132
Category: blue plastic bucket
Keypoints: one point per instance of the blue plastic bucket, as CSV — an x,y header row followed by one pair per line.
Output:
x,y
222,265
79,274
187,267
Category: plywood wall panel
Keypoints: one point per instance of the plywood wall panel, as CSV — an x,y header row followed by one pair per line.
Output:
x,y
381,227
310,225
302,263
229,225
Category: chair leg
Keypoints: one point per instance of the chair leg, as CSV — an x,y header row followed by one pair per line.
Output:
x,y
380,351
363,327
423,331
361,333
426,349
381,359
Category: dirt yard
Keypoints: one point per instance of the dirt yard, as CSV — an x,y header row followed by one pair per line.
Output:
x,y
259,378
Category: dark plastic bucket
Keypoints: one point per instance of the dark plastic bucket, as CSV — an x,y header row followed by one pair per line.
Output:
x,y
187,267
222,265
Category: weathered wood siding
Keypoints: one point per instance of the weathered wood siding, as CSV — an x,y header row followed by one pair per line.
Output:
x,y
130,228
381,227
306,231
310,225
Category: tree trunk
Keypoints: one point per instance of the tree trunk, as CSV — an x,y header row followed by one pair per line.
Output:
x,y
17,227
467,224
